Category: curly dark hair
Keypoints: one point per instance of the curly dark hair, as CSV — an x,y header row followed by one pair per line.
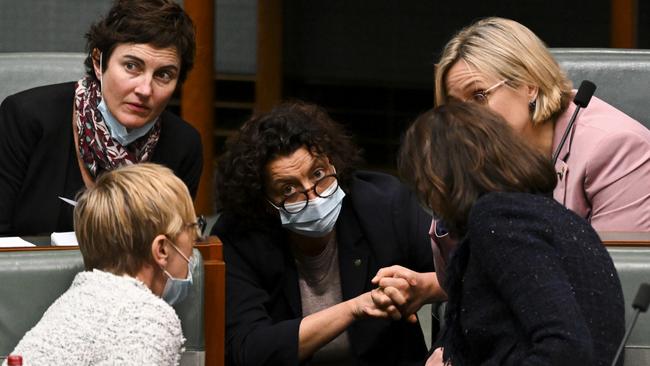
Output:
x,y
241,170
457,152
160,23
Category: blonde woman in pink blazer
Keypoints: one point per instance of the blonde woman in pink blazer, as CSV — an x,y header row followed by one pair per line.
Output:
x,y
603,168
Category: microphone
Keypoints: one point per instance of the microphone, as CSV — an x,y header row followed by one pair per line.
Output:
x,y
640,304
581,100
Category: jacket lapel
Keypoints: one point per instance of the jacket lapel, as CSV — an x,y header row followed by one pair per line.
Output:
x,y
561,166
290,286
561,171
353,253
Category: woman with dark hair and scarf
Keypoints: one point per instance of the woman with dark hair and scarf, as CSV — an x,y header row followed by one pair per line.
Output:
x,y
57,139
303,233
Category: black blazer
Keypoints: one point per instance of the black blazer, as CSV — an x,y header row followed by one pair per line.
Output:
x,y
531,284
38,160
380,224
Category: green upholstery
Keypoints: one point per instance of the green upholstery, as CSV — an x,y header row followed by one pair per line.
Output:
x,y
633,267
622,76
26,70
32,280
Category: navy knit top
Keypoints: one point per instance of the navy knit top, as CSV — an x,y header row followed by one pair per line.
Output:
x,y
531,284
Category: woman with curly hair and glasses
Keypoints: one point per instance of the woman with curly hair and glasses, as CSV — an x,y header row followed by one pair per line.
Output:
x,y
304,232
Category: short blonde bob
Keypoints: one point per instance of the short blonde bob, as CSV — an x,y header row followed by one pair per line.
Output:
x,y
504,49
117,219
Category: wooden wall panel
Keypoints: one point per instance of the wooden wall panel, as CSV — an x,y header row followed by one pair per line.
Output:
x,y
197,98
624,23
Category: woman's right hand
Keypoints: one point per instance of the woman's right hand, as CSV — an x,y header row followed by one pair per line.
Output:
x,y
319,328
405,290
363,307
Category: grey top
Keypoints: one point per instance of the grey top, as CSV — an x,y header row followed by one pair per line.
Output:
x,y
320,288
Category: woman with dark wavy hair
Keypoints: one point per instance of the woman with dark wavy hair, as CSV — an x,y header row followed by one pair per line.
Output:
x,y
529,280
303,234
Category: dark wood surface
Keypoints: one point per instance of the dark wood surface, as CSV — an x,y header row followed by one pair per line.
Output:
x,y
215,304
625,238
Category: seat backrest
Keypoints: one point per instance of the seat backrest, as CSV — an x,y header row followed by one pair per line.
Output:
x,y
25,70
622,76
633,267
32,280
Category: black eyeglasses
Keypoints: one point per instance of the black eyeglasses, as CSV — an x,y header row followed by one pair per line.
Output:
x,y
200,224
298,201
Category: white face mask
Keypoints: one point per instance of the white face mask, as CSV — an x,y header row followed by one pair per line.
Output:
x,y
118,132
176,289
318,218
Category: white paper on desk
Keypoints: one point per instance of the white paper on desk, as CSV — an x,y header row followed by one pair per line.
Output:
x,y
14,242
67,239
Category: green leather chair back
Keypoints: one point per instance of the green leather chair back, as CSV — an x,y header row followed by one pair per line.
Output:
x,y
622,76
633,267
25,70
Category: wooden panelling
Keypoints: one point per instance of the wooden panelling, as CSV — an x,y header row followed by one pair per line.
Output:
x,y
197,97
268,89
215,296
624,23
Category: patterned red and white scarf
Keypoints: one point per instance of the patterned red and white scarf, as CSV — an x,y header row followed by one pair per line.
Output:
x,y
97,149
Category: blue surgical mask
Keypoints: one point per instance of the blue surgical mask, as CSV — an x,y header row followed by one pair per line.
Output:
x,y
118,132
176,289
318,218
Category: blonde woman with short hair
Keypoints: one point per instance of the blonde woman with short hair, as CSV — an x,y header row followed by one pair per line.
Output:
x,y
136,228
604,166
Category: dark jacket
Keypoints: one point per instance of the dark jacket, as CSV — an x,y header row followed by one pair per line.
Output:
x,y
38,161
531,284
380,224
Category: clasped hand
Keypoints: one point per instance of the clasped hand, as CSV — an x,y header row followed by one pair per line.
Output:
x,y
401,292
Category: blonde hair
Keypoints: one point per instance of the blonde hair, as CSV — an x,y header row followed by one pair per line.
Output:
x,y
505,49
116,220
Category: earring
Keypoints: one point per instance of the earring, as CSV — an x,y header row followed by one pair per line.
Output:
x,y
532,104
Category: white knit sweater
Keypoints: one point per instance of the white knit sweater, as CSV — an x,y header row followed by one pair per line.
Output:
x,y
104,319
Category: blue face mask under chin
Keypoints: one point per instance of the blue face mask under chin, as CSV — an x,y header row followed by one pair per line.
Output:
x,y
118,132
176,289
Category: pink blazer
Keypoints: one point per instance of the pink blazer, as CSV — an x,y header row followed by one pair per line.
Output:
x,y
604,171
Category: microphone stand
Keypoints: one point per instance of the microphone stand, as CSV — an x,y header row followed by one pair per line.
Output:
x,y
640,304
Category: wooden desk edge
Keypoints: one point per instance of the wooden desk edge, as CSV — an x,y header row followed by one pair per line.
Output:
x,y
620,238
215,300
